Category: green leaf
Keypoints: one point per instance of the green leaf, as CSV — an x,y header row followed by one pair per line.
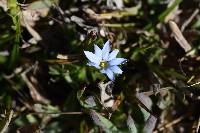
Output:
x,y
2,59
31,118
14,13
145,113
164,14
196,24
131,125
83,102
150,124
42,4
103,122
13,7
48,109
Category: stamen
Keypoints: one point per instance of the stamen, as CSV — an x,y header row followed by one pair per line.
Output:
x,y
103,64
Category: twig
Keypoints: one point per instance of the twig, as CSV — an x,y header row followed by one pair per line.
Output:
x,y
56,20
189,20
180,66
60,113
170,124
198,126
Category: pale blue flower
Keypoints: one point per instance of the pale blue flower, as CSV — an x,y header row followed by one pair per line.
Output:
x,y
105,61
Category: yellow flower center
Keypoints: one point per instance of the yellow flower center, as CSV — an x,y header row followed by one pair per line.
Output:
x,y
103,64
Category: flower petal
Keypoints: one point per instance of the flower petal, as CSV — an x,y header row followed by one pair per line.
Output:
x,y
106,50
92,57
116,69
98,52
110,74
116,61
103,71
94,65
113,54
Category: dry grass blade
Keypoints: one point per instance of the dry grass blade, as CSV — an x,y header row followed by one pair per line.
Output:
x,y
6,121
132,11
189,20
58,61
33,32
68,57
33,85
65,59
153,92
179,36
